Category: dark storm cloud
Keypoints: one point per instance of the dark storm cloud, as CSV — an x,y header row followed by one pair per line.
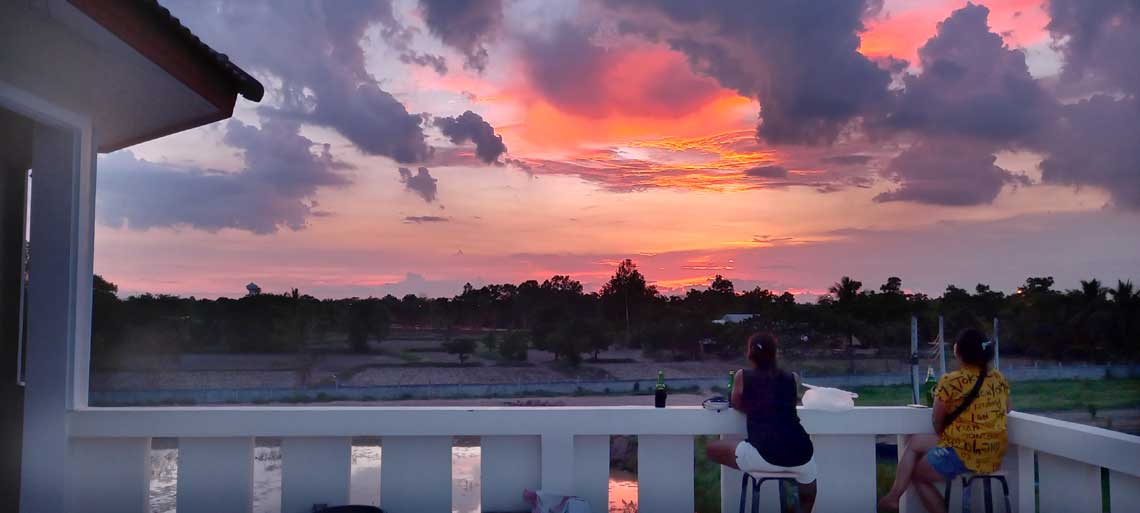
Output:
x,y
799,59
465,25
768,172
973,98
470,127
972,85
275,189
399,38
951,173
420,183
567,69
1095,141
315,52
1099,38
848,160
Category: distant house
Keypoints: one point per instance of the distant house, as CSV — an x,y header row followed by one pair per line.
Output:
x,y
736,318
252,289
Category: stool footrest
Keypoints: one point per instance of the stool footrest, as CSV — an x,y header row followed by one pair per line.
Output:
x,y
986,479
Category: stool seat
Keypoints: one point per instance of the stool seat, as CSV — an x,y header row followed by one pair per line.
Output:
x,y
773,475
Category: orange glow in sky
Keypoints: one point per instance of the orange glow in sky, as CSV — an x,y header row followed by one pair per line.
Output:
x,y
906,25
644,158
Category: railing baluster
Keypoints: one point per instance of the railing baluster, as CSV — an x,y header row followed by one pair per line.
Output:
x,y
415,474
557,463
1024,482
215,474
730,486
592,470
509,464
846,472
314,471
109,475
1068,486
1124,491
909,502
665,473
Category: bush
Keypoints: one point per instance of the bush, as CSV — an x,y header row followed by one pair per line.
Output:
x,y
514,346
490,342
460,346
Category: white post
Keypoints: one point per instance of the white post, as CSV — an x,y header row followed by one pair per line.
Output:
x,y
941,347
665,473
59,300
592,470
415,474
909,502
997,345
556,463
508,464
915,397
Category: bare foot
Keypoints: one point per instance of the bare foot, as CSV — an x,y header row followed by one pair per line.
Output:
x,y
889,502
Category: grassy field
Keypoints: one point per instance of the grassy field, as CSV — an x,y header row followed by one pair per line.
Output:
x,y
1034,395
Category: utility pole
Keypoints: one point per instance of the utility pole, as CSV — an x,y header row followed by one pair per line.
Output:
x,y
997,345
914,359
941,347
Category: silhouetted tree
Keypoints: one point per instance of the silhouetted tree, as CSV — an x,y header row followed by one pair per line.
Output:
x,y
366,318
624,296
463,347
514,346
490,342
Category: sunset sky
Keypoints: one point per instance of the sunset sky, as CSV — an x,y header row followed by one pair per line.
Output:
x,y
780,143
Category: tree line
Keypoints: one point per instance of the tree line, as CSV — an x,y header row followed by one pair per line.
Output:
x,y
557,315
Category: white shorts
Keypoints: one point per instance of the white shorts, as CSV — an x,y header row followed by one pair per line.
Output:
x,y
748,459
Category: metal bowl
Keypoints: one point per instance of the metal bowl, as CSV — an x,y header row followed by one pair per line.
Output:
x,y
716,403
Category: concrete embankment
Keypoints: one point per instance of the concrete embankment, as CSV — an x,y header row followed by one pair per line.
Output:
x,y
555,388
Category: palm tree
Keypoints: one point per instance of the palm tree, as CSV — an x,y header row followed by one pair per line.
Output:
x,y
1127,305
845,290
1092,292
1088,324
1123,293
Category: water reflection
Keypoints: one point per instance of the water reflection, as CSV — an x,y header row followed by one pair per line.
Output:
x,y
623,492
364,484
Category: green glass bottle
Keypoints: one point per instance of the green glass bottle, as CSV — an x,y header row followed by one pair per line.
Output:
x,y
660,393
928,387
728,391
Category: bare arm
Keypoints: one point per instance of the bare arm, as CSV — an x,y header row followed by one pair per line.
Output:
x,y
939,416
738,392
796,377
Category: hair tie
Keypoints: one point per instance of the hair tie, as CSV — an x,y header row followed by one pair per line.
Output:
x,y
987,344
759,345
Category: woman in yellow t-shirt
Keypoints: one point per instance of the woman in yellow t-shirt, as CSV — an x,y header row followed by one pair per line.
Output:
x,y
970,410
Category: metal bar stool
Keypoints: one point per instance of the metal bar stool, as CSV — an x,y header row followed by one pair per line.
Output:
x,y
968,480
757,479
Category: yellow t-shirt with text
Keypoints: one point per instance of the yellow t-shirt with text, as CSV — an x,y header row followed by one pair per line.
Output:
x,y
979,434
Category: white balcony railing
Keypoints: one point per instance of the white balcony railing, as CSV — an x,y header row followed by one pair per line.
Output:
x,y
559,449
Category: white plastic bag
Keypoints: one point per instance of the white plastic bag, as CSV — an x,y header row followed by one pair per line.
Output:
x,y
546,502
828,399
